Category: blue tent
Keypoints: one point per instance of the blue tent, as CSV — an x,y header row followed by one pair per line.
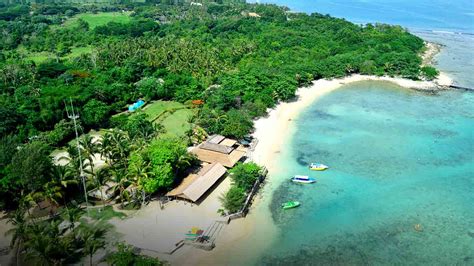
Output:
x,y
135,106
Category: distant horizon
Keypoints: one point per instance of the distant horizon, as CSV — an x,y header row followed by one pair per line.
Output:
x,y
430,15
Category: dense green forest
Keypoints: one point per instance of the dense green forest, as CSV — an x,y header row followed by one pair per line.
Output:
x,y
238,59
205,68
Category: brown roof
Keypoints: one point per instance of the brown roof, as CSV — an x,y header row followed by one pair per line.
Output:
x,y
227,160
215,139
196,185
228,142
216,147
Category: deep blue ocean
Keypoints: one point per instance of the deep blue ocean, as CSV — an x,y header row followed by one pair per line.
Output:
x,y
400,190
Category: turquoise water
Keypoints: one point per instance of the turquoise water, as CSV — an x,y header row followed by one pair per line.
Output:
x,y
447,22
447,15
398,158
400,190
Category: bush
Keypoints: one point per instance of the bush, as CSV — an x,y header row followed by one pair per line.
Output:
x,y
139,126
95,113
234,199
62,131
244,175
51,69
237,125
163,178
125,256
429,73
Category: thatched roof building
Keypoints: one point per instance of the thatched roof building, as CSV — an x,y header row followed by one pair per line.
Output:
x,y
194,186
218,149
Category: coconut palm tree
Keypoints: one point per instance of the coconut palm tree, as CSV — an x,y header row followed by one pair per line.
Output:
x,y
63,177
93,238
101,177
47,244
72,215
88,145
19,232
122,185
184,162
88,149
115,147
139,171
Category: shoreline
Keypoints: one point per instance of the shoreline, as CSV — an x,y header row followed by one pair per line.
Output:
x,y
273,132
241,236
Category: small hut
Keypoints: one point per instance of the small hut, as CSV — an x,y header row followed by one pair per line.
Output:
x,y
219,149
194,186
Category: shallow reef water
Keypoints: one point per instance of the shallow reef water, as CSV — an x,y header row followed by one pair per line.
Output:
x,y
400,189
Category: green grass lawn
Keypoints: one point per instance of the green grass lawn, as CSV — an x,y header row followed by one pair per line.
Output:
x,y
40,57
172,115
155,109
177,123
99,19
77,51
105,214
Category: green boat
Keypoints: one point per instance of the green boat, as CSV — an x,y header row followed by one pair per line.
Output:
x,y
290,205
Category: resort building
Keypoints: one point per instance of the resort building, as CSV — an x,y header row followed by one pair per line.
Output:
x,y
195,185
219,149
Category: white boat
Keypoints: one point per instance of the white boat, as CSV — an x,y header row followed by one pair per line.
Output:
x,y
318,166
303,179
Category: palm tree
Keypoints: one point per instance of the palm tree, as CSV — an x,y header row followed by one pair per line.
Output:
x,y
102,176
49,245
63,177
121,185
184,161
115,147
88,149
52,192
19,232
139,171
93,238
72,216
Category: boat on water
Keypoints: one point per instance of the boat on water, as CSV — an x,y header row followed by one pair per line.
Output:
x,y
318,166
290,205
303,179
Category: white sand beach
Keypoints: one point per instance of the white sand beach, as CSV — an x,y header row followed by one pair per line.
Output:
x,y
272,133
156,230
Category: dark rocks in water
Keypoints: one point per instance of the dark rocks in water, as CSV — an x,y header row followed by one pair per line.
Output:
x,y
471,233
307,157
322,115
301,160
443,133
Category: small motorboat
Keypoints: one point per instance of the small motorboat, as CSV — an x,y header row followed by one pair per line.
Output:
x,y
318,166
290,205
303,179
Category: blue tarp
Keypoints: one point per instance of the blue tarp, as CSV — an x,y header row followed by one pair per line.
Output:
x,y
135,106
